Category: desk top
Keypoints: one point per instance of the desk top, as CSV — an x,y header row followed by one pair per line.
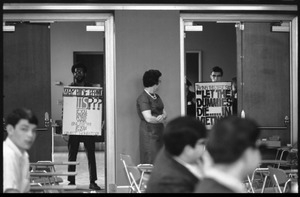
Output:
x,y
290,171
54,163
53,173
273,161
145,167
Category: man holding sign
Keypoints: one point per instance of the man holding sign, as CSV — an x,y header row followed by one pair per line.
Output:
x,y
213,101
86,96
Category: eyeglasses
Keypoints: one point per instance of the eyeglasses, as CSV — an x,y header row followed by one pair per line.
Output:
x,y
216,75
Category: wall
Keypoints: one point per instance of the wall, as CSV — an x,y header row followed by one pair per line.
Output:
x,y
67,37
218,45
144,40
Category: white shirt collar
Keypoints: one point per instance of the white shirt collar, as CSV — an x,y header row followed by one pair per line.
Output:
x,y
226,179
12,145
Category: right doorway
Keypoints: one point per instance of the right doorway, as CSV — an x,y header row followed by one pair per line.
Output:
x,y
261,59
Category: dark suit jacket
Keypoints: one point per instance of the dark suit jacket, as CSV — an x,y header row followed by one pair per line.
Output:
x,y
209,185
169,176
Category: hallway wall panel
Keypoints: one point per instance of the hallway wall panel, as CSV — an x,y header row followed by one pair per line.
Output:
x,y
144,40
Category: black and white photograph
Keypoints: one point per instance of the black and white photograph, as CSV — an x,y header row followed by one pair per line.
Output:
x,y
170,96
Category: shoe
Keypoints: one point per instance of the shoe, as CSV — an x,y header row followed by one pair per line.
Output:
x,y
94,186
71,183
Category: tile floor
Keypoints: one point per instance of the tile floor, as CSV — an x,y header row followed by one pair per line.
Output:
x,y
82,178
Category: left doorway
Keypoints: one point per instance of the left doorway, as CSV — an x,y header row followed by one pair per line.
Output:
x,y
109,48
26,66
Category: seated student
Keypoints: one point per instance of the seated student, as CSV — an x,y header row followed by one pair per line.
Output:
x,y
177,167
20,126
232,145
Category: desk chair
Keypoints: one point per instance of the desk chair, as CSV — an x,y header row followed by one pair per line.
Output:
x,y
264,172
44,172
135,176
127,161
281,150
279,177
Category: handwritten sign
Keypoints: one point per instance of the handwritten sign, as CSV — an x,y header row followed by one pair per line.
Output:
x,y
82,110
213,101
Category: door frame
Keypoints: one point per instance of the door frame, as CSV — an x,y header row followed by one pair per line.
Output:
x,y
110,67
293,20
199,62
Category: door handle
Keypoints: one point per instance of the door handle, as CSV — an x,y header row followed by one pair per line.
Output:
x,y
286,121
47,119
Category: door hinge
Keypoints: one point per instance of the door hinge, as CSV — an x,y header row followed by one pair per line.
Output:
x,y
240,26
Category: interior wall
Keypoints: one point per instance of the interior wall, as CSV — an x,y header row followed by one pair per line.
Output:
x,y
144,40
218,45
65,38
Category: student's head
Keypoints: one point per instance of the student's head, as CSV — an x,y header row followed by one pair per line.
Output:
x,y
20,126
151,78
79,71
185,135
234,139
216,74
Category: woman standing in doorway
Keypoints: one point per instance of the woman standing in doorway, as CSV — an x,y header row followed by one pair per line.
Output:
x,y
150,109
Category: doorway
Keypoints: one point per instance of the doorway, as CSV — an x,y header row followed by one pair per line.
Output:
x,y
270,126
46,20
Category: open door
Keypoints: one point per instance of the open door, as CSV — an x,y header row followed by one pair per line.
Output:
x,y
264,78
26,66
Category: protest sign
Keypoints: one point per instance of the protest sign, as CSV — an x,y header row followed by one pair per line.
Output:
x,y
82,110
213,101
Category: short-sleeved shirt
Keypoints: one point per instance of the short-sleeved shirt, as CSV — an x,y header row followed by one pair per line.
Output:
x,y
15,168
146,102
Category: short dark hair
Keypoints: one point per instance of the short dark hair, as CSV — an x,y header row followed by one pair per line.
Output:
x,y
217,69
188,83
182,131
151,78
21,113
79,65
230,137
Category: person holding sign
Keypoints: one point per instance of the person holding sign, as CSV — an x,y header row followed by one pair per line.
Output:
x,y
79,71
20,126
150,109
216,74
